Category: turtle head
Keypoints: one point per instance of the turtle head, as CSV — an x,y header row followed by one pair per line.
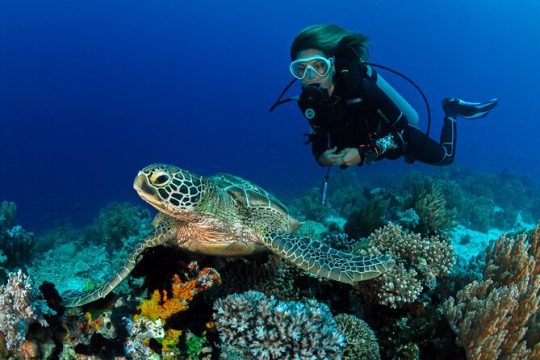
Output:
x,y
169,189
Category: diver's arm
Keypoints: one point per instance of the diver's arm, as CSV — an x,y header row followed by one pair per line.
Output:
x,y
319,144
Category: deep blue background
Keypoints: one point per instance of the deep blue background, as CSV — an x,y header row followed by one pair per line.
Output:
x,y
92,91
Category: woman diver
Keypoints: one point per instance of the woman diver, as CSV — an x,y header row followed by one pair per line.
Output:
x,y
356,116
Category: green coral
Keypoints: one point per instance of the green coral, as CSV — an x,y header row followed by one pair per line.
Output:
x,y
17,244
345,193
308,207
364,221
118,224
361,340
194,346
430,205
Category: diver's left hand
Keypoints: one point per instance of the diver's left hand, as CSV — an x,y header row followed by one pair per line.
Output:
x,y
350,157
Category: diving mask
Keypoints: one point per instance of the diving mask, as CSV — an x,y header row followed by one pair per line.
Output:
x,y
310,67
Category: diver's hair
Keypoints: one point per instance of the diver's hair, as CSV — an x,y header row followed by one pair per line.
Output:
x,y
325,37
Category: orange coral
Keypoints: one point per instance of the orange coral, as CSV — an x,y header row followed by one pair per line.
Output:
x,y
490,317
163,306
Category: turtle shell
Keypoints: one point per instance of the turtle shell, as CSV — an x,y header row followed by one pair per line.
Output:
x,y
252,196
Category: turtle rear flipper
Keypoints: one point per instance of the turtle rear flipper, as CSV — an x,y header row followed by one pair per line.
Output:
x,y
159,237
317,258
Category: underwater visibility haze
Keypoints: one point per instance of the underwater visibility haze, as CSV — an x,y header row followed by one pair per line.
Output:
x,y
93,93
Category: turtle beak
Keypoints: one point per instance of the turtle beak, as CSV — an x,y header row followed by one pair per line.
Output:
x,y
142,187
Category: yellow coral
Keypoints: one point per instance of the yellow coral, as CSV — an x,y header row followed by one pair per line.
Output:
x,y
171,339
160,306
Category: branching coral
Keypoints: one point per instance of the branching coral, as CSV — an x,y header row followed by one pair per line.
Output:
x,y
420,260
399,286
272,329
19,308
432,256
490,317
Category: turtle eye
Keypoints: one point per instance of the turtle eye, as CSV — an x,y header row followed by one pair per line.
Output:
x,y
160,179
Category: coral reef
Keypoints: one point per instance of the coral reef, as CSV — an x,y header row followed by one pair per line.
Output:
x,y
361,340
164,305
85,258
152,317
271,276
399,286
344,196
16,244
118,225
363,222
429,204
420,260
19,308
432,256
272,329
308,207
491,317
485,201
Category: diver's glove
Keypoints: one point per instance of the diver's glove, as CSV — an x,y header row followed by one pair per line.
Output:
x,y
369,153
349,70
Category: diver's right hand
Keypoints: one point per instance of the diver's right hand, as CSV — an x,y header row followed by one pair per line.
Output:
x,y
329,157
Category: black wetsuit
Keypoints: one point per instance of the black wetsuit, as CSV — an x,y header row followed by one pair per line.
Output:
x,y
373,120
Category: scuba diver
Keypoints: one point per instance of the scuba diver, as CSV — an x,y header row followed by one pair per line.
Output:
x,y
357,117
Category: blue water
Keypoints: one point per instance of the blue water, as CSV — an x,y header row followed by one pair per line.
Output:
x,y
92,91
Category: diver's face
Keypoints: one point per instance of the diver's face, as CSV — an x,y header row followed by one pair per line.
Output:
x,y
323,81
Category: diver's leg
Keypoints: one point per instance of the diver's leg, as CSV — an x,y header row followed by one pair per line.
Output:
x,y
425,149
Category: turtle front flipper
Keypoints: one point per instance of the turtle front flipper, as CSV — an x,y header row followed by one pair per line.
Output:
x,y
159,237
320,259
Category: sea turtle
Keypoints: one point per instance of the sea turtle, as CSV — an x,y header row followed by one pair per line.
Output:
x,y
226,215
